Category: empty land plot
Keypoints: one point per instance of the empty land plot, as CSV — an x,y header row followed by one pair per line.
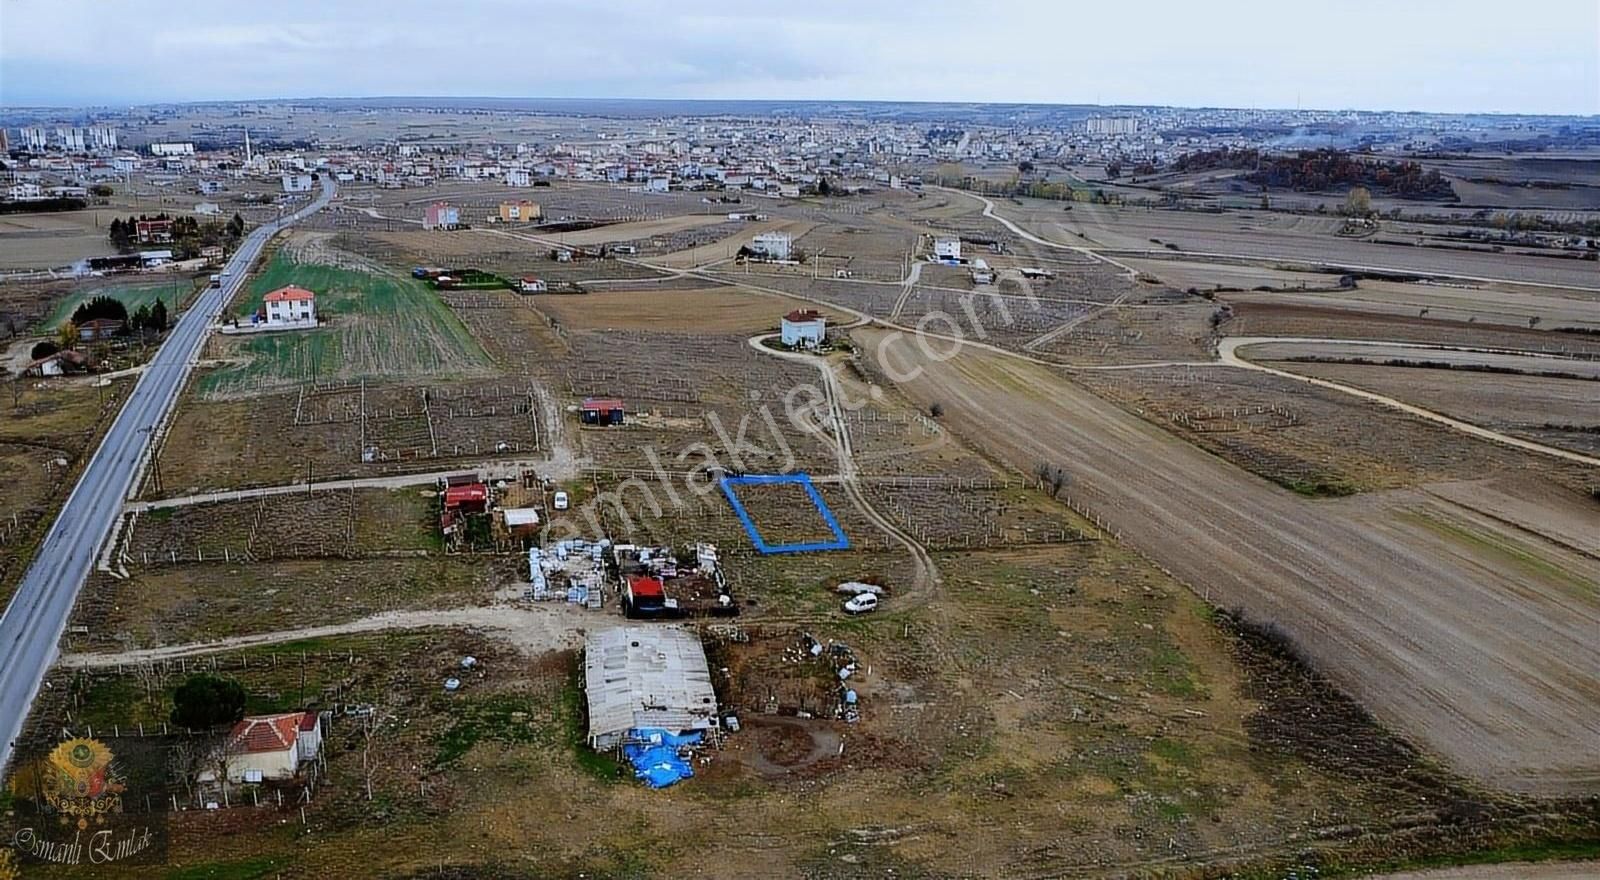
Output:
x,y
1556,512
377,326
1561,412
1508,304
634,230
706,310
200,602
870,252
1489,673
53,240
728,247
1271,319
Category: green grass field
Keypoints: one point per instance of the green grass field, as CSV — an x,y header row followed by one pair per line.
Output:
x,y
175,292
375,327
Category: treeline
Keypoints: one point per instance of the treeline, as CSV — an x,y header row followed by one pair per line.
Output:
x,y
151,317
40,206
1324,170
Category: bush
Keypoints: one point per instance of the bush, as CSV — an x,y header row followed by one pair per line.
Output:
x,y
43,350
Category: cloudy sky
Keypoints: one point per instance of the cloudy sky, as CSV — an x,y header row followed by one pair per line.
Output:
x,y
1536,56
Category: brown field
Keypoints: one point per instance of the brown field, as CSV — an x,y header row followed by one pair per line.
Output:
x,y
729,246
1351,582
1562,412
705,310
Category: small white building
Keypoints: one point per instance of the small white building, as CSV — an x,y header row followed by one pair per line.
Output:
x,y
804,328
657,184
264,747
296,183
530,284
947,249
981,273
207,208
772,245
291,307
172,149
518,177
25,192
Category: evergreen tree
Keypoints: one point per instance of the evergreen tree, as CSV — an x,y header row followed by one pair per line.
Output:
x,y
158,317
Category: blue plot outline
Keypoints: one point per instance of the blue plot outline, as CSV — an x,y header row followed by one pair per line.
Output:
x,y
839,542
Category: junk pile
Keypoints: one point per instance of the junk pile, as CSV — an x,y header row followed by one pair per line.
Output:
x,y
659,757
843,662
573,571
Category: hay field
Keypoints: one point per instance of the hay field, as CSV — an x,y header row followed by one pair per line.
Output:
x,y
376,325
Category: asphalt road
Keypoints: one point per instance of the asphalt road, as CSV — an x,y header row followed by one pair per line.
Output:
x,y
31,628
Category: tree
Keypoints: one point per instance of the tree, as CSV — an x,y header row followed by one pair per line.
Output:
x,y
67,334
102,190
1358,202
140,319
205,701
158,316
824,188
44,349
101,307
236,226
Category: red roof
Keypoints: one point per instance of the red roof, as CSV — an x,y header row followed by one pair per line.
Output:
x,y
649,587
289,293
267,733
455,496
800,315
602,403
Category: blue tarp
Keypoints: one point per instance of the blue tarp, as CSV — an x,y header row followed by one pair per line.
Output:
x,y
653,752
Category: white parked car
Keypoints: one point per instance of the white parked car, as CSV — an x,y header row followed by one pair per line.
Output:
x,y
562,501
861,604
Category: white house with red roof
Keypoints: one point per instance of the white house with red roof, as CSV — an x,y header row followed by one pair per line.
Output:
x,y
265,747
804,328
290,307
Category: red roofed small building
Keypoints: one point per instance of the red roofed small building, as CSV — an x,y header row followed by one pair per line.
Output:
x,y
291,307
602,411
530,284
470,498
644,597
264,747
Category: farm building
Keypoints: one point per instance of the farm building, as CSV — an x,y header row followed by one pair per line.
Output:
x,y
602,411
947,249
771,245
152,259
804,328
441,215
522,211
530,284
520,522
58,364
266,747
646,678
290,307
468,498
981,273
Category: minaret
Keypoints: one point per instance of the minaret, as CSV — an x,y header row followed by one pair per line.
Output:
x,y
247,156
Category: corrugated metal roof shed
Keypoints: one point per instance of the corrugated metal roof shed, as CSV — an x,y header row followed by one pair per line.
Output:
x,y
646,677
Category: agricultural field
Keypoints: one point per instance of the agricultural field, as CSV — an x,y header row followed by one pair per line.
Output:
x,y
379,324
705,310
175,293
1242,542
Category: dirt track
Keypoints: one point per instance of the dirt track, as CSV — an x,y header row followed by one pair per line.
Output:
x,y
1469,636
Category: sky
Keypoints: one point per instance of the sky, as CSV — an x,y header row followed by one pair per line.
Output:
x,y
1535,56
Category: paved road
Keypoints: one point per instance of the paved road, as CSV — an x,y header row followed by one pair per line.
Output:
x,y
30,630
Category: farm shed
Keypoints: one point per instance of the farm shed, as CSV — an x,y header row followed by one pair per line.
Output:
x,y
646,677
602,411
471,498
521,522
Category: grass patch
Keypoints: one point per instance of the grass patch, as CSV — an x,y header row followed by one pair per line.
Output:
x,y
243,869
174,293
1319,487
601,766
1516,552
506,719
377,326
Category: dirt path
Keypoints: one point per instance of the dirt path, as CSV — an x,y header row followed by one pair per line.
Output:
x,y
498,467
1516,871
1228,351
534,629
1472,638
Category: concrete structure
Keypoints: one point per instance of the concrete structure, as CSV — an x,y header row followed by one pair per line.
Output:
x,y
34,138
772,245
1112,125
172,149
266,747
981,273
804,328
441,215
646,677
291,307
522,211
296,183
947,249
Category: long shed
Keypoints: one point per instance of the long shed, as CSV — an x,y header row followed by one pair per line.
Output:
x,y
646,677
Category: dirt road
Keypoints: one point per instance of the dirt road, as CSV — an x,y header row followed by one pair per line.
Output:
x,y
533,629
1470,636
1517,871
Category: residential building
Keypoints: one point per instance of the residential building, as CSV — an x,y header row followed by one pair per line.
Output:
x,y
25,192
981,273
290,307
153,259
771,245
646,678
99,329
153,231
804,328
441,215
211,187
71,140
518,177
102,137
207,208
270,747
521,211
34,138
530,284
296,183
172,149
947,249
